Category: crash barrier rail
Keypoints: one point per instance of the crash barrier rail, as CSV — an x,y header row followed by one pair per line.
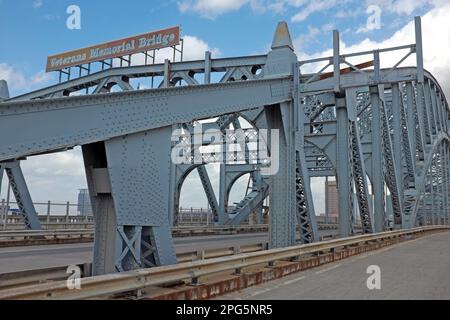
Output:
x,y
26,277
37,237
131,281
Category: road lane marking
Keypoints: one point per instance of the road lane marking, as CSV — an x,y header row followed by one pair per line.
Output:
x,y
328,269
262,291
378,251
294,280
277,286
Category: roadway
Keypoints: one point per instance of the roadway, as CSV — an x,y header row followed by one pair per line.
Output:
x,y
417,269
46,256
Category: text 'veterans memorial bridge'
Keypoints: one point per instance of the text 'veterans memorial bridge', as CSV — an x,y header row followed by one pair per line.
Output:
x,y
381,130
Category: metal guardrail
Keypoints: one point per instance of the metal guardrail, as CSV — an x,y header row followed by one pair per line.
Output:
x,y
42,233
35,276
29,237
29,277
107,285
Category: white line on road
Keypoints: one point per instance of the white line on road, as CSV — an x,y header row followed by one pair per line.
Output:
x,y
262,291
278,286
328,269
294,280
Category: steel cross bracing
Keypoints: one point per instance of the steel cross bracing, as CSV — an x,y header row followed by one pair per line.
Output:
x,y
383,128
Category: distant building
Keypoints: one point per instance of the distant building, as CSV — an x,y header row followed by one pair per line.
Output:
x,y
84,207
331,199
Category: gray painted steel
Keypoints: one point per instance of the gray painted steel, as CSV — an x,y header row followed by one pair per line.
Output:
x,y
383,133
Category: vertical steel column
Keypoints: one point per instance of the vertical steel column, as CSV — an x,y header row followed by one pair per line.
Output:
x,y
419,49
327,209
127,180
441,184
358,167
336,62
441,113
433,193
434,108
166,81
428,199
95,164
223,216
282,191
377,162
397,137
343,168
420,116
3,211
410,112
306,216
280,62
428,108
138,167
446,181
207,79
2,169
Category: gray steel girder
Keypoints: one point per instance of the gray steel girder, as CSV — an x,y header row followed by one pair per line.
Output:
x,y
129,186
58,123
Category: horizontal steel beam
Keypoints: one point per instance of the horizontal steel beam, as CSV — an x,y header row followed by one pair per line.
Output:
x,y
41,126
198,66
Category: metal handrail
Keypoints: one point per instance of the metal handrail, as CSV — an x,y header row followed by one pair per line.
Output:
x,y
11,234
106,285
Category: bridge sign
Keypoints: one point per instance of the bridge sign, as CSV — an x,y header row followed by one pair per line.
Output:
x,y
136,44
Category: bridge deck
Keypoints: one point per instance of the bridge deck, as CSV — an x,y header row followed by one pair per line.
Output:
x,y
48,256
416,269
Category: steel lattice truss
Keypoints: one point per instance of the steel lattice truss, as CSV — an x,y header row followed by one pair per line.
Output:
x,y
383,133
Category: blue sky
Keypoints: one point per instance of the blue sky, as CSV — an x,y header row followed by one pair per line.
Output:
x,y
34,29
30,30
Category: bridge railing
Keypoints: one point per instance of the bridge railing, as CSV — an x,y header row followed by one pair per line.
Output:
x,y
107,285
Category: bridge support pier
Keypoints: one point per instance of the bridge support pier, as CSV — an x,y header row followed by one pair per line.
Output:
x,y
282,183
127,180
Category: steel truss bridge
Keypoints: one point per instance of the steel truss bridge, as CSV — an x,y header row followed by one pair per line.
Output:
x,y
382,132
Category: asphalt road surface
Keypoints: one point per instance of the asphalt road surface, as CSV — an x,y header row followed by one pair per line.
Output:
x,y
47,256
417,269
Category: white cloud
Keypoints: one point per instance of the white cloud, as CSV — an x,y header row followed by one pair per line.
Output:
x,y
41,77
14,78
38,3
312,7
401,6
436,41
210,8
55,177
193,49
303,39
342,14
328,27
17,80
363,29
